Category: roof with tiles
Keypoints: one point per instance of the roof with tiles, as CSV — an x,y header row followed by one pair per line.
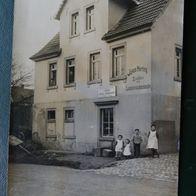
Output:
x,y
131,2
137,19
50,50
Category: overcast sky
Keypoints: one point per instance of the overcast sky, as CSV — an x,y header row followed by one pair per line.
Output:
x,y
34,26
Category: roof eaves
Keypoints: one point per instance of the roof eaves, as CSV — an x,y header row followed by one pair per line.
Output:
x,y
46,56
127,33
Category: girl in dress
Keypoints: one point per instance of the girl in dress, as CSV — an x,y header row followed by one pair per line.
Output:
x,y
127,149
153,141
119,147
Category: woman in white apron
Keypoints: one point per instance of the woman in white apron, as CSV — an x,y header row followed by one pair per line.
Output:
x,y
153,141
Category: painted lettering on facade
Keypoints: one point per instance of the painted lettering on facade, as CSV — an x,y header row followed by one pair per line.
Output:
x,y
138,78
138,69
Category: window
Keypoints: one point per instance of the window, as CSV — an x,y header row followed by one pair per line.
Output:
x,y
69,131
69,115
90,18
51,124
118,61
107,122
94,66
70,71
178,64
51,115
52,74
74,24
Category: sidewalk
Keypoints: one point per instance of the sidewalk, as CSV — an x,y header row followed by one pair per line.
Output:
x,y
165,168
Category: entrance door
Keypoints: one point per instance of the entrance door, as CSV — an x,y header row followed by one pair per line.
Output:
x,y
107,122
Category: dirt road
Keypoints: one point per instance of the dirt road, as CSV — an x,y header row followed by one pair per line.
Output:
x,y
35,180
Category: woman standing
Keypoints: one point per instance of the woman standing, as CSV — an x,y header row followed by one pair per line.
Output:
x,y
153,141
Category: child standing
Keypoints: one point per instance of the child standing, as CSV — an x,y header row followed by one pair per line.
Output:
x,y
137,140
127,149
119,147
153,141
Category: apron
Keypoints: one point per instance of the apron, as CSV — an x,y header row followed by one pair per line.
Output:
x,y
152,140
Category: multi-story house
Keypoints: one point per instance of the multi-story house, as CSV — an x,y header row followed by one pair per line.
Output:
x,y
114,66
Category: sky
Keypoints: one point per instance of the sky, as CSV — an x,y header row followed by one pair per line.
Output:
x,y
34,26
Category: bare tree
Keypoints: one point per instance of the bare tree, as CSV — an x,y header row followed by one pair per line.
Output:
x,y
20,77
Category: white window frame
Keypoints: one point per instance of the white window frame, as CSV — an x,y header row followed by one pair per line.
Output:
x,y
90,18
69,121
50,110
66,68
97,62
100,125
178,67
74,26
49,74
114,76
50,121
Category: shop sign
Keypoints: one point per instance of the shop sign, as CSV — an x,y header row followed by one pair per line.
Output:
x,y
138,78
109,91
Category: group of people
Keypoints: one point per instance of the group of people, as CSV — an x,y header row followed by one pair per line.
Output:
x,y
123,147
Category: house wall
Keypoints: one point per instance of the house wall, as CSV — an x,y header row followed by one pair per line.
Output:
x,y
166,32
137,53
132,111
149,68
128,115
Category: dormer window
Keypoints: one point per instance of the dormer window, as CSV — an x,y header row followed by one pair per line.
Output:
x,y
90,18
75,24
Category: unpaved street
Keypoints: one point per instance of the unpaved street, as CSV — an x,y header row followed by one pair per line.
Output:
x,y
36,180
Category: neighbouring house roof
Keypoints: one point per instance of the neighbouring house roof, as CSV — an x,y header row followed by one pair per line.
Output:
x,y
21,94
137,19
50,50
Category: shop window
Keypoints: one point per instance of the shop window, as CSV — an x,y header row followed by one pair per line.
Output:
x,y
52,74
178,64
94,68
107,122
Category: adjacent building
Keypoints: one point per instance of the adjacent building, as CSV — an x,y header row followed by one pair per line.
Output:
x,y
114,66
21,112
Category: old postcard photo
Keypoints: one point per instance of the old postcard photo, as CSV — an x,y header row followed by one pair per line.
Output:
x,y
96,96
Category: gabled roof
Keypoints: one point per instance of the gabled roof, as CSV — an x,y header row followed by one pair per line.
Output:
x,y
65,1
137,19
50,50
60,9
